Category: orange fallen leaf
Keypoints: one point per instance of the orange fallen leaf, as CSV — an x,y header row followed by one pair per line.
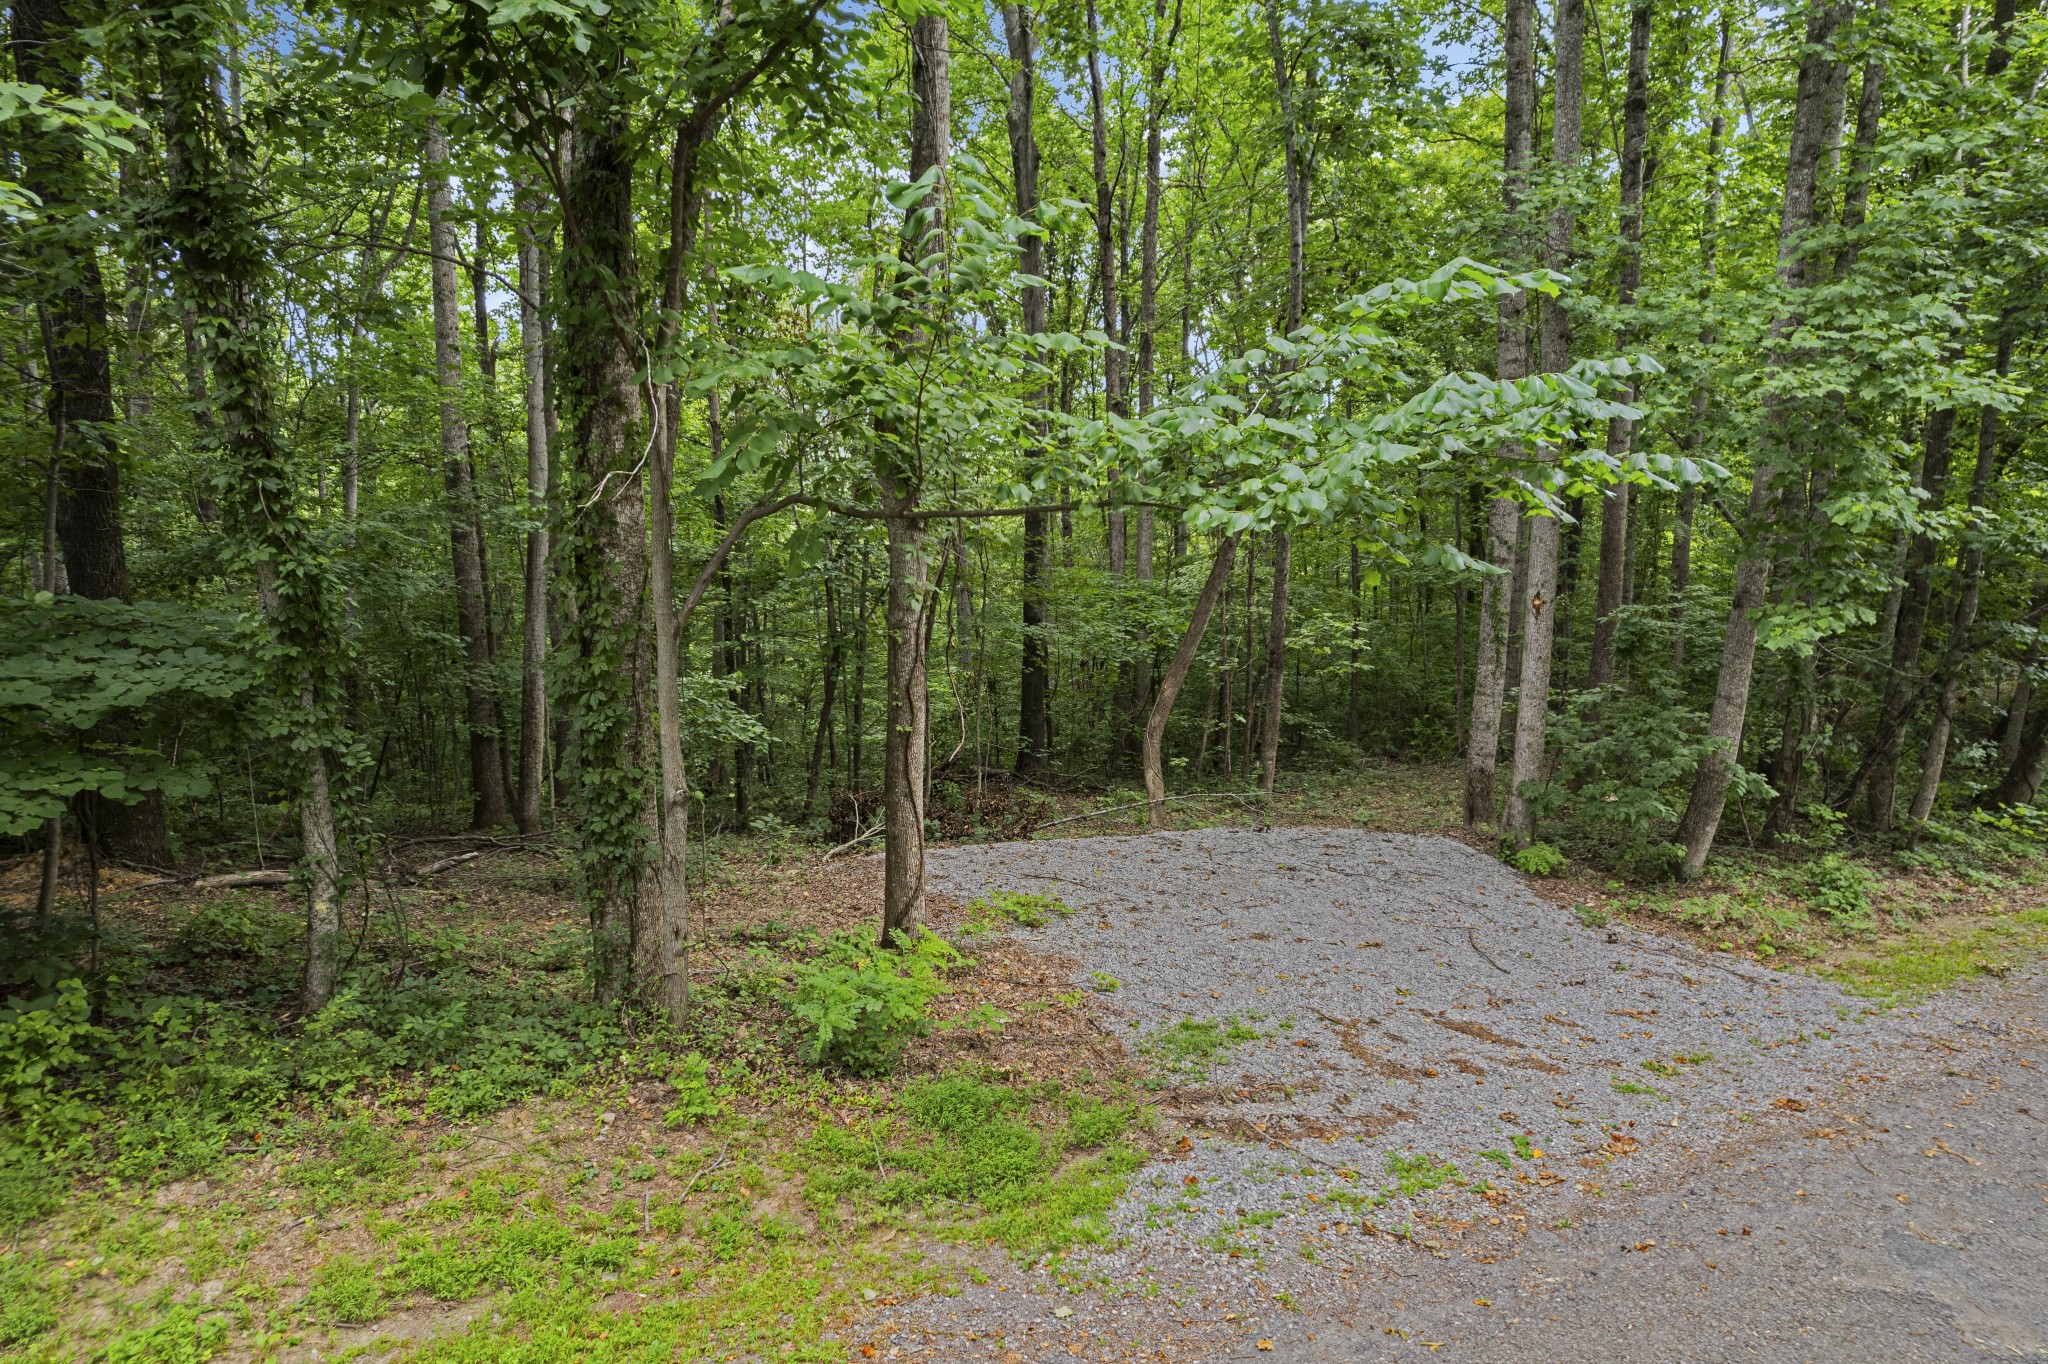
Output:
x,y
1265,1345
867,1352
1790,1105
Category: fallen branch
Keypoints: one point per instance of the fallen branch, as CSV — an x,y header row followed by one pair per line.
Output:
x,y
447,864
855,841
234,880
1472,936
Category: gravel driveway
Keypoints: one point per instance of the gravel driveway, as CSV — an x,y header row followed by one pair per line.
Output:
x,y
1352,1020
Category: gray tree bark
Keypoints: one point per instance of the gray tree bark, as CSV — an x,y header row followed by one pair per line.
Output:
x,y
533,685
904,753
465,537
1539,618
1614,512
1709,798
1175,677
1034,734
1496,594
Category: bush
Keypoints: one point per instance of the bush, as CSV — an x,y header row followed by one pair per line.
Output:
x,y
696,1101
862,1004
1834,886
1538,859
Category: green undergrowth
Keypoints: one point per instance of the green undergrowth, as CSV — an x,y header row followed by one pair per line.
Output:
x,y
1187,1048
1940,956
1032,1168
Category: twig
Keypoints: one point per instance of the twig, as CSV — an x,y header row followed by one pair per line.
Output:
x,y
1472,936
857,839
705,1171
447,864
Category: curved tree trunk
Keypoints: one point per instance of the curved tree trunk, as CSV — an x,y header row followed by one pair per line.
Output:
x,y
1702,817
1175,677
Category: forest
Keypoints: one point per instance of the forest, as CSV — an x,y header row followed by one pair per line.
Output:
x,y
622,427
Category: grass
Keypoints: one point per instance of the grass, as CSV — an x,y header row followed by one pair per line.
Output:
x,y
464,1154
1188,1047
1939,956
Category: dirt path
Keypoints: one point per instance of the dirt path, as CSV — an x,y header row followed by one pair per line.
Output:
x,y
1405,1008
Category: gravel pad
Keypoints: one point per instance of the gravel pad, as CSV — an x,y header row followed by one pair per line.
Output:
x,y
1395,997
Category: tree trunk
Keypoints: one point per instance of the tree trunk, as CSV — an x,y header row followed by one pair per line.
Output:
x,y
1902,686
210,218
465,539
1539,635
533,685
1105,248
1968,591
1489,672
1696,436
904,757
1702,817
1177,674
71,308
835,652
1033,733
1614,513
1276,661
601,540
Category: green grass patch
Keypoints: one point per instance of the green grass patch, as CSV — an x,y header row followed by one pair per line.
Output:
x,y
1032,1168
1936,958
1187,1048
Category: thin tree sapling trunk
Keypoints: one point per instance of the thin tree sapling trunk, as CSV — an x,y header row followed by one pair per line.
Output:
x,y
1176,675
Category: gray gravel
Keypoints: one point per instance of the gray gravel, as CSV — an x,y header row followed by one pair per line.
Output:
x,y
1413,999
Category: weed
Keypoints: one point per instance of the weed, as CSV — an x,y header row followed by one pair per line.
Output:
x,y
346,1290
863,1004
1836,887
1621,1086
1189,1046
1104,982
1015,907
1524,1148
1538,859
696,1101
1500,1158
1418,1173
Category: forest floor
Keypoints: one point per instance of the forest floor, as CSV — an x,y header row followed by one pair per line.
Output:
x,y
1311,1081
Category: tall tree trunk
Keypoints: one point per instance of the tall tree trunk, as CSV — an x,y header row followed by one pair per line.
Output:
x,y
1902,687
1496,594
1539,635
835,653
1964,618
1614,512
1276,661
1687,500
1034,738
465,539
533,685
1177,674
210,220
601,540
1296,172
1148,296
904,756
1105,228
71,307
1709,798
